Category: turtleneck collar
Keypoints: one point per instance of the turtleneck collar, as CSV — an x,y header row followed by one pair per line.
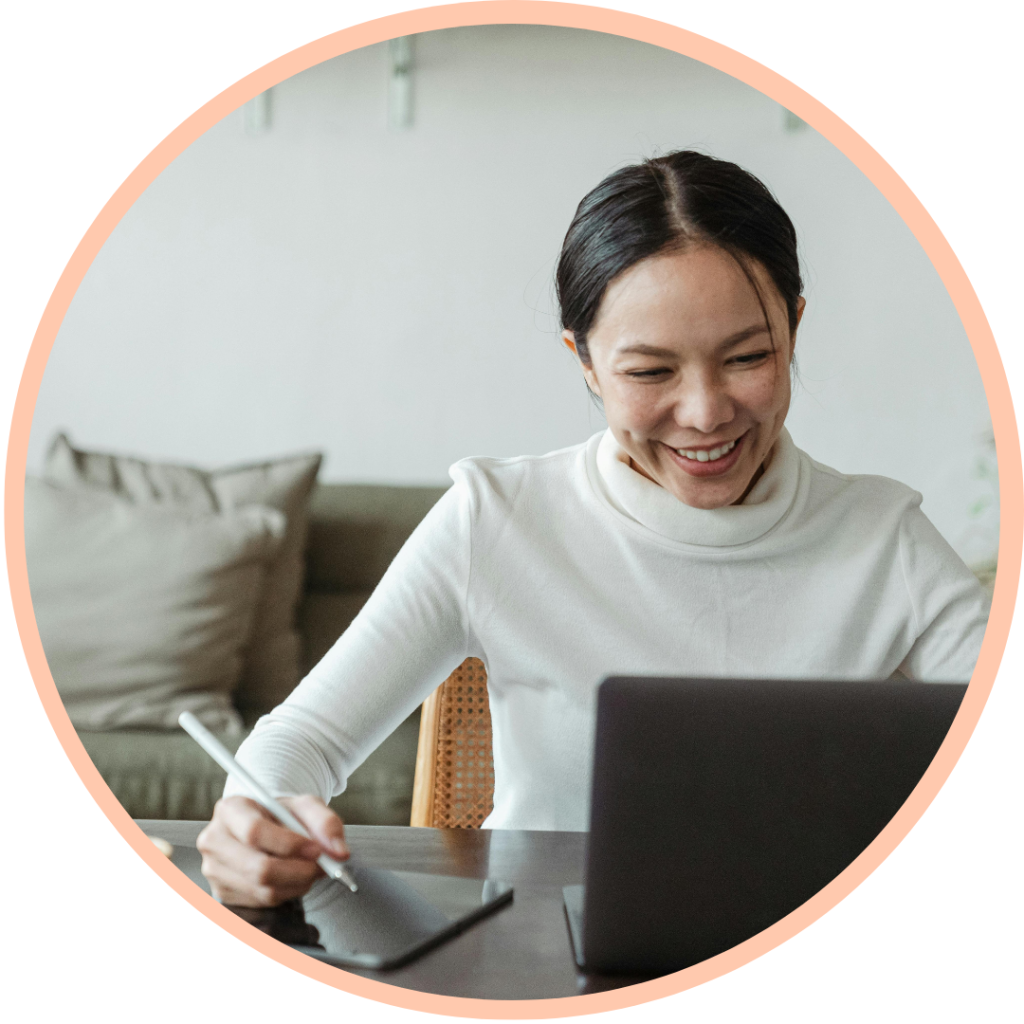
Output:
x,y
656,509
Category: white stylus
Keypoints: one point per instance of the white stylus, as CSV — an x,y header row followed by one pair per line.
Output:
x,y
332,868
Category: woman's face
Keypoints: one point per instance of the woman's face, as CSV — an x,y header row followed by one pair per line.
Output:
x,y
683,360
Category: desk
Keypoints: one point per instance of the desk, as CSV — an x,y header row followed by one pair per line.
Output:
x,y
520,952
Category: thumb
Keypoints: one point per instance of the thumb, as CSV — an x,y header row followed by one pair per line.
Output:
x,y
321,823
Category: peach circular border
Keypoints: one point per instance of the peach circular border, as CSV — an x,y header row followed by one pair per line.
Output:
x,y
536,12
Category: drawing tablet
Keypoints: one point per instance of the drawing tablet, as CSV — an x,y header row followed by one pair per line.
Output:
x,y
395,916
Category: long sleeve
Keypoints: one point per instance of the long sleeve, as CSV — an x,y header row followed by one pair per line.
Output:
x,y
405,641
949,604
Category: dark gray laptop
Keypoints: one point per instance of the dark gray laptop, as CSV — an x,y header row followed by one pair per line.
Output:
x,y
719,806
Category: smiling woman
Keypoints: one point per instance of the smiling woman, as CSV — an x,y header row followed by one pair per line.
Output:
x,y
690,538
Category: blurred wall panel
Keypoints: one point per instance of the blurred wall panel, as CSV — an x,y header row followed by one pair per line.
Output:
x,y
385,296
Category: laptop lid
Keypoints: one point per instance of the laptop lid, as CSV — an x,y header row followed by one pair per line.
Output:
x,y
719,806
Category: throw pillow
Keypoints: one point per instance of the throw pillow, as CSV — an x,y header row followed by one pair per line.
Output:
x,y
271,665
144,610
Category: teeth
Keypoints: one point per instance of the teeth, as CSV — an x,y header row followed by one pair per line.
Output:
x,y
705,455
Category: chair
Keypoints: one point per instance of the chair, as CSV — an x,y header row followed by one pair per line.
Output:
x,y
454,781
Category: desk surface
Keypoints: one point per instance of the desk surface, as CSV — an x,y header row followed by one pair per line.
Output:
x,y
520,952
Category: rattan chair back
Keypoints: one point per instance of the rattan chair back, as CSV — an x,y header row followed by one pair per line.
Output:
x,y
454,783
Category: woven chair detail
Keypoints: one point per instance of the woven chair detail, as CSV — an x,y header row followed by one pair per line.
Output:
x,y
454,784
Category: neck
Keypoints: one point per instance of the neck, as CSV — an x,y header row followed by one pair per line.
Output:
x,y
758,473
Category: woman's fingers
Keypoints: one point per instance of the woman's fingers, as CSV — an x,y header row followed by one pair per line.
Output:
x,y
254,826
321,823
251,860
242,876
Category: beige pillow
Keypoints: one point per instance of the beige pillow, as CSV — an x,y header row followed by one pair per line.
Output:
x,y
271,662
144,610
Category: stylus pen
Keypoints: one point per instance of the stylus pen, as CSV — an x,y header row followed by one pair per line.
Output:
x,y
332,868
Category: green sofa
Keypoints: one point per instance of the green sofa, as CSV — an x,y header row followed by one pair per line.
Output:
x,y
355,531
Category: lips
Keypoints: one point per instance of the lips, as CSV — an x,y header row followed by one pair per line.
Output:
x,y
704,462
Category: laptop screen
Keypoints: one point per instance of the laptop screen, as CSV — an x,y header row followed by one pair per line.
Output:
x,y
719,806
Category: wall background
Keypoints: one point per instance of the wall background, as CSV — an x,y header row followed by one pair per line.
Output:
x,y
385,296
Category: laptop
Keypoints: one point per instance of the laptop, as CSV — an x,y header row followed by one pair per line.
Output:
x,y
721,805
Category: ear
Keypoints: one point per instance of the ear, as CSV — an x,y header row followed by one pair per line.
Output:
x,y
569,341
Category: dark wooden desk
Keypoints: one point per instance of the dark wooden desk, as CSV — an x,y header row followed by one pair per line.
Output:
x,y
520,952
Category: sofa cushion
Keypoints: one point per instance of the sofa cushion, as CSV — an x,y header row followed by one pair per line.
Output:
x,y
144,610
168,775
356,530
323,618
271,659
160,774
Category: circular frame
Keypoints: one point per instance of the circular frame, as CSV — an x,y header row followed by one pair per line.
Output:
x,y
536,12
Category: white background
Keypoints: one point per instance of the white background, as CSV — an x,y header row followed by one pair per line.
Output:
x,y
89,90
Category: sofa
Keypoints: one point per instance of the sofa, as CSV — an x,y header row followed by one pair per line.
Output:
x,y
354,532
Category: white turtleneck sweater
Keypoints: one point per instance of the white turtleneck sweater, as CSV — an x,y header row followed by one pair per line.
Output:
x,y
562,569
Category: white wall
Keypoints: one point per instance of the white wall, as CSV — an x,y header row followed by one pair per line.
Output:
x,y
386,296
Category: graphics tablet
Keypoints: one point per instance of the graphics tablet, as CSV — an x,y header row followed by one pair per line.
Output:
x,y
393,918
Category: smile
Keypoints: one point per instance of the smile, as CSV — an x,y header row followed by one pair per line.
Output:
x,y
709,462
705,455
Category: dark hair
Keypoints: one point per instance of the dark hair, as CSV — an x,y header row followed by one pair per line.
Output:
x,y
664,204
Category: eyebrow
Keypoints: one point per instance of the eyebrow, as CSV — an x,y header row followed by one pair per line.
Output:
x,y
655,350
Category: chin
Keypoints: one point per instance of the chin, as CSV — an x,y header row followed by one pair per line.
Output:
x,y
708,494
707,501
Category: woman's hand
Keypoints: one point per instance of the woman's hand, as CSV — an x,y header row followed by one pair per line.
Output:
x,y
251,860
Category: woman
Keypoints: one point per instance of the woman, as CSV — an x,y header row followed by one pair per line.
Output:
x,y
690,538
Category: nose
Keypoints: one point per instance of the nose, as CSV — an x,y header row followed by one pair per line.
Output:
x,y
703,403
